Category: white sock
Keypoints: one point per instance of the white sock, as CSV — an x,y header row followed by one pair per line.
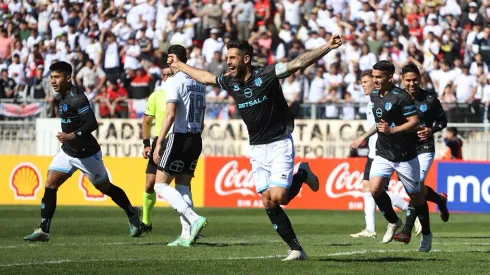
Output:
x,y
186,194
175,199
397,201
369,211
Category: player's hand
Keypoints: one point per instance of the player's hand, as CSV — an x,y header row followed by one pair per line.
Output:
x,y
64,137
335,41
147,152
172,60
356,143
156,157
383,127
424,133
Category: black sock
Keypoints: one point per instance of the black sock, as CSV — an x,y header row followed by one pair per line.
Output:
x,y
283,226
48,206
433,196
423,215
119,197
383,202
298,180
410,220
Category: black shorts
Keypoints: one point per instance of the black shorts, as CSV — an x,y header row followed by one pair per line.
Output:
x,y
181,155
367,168
151,167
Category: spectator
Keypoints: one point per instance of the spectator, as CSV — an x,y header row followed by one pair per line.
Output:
x,y
292,92
212,45
245,18
117,96
91,75
6,44
36,87
217,66
465,86
453,144
8,86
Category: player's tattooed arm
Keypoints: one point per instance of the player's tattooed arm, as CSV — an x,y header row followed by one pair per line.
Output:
x,y
412,124
306,59
357,142
201,76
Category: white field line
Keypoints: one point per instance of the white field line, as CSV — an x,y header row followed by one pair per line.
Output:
x,y
364,251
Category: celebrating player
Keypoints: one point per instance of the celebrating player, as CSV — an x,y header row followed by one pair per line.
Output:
x,y
369,204
183,123
155,109
432,120
396,150
258,95
79,150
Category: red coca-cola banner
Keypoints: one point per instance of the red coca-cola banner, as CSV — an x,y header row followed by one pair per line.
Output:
x,y
229,183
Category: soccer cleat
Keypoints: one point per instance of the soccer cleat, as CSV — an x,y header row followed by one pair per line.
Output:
x,y
135,223
311,179
364,234
426,243
146,228
391,229
418,227
181,242
296,255
197,227
402,237
38,236
443,211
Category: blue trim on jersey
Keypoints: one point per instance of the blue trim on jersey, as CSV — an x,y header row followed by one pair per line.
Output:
x,y
101,180
263,189
83,109
379,175
218,80
409,113
66,171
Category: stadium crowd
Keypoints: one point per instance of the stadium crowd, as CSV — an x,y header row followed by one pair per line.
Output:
x,y
118,47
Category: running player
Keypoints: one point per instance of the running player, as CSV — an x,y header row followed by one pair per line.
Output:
x,y
432,120
396,150
369,204
79,150
260,100
155,109
183,123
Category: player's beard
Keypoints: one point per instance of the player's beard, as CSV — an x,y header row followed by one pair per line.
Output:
x,y
241,70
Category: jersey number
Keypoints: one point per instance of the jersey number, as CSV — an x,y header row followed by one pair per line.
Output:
x,y
196,108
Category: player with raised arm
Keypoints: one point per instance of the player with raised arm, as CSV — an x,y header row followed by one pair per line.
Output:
x,y
183,124
79,150
432,120
369,204
396,150
155,110
262,106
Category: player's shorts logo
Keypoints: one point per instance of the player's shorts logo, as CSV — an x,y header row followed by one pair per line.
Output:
x,y
247,92
90,193
423,108
379,112
388,105
258,81
176,166
25,181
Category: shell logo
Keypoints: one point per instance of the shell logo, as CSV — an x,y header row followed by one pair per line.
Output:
x,y
25,180
89,191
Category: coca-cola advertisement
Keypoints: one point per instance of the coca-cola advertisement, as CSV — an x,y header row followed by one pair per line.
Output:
x,y
229,183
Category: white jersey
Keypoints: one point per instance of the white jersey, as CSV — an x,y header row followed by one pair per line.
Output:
x,y
190,97
373,138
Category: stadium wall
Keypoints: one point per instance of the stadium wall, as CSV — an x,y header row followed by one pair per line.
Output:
x,y
227,182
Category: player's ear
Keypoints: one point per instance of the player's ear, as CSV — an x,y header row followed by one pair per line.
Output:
x,y
68,78
246,59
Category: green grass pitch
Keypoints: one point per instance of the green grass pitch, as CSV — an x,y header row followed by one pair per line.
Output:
x,y
95,240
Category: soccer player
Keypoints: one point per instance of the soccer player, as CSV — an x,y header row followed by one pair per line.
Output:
x,y
262,106
369,204
79,150
183,123
155,109
432,120
396,150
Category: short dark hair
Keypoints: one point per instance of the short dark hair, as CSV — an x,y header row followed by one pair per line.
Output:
x,y
244,48
367,73
410,68
179,51
452,130
384,66
62,67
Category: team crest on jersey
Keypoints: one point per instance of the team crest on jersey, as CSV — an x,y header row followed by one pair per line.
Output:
x,y
236,88
388,105
258,81
248,93
423,108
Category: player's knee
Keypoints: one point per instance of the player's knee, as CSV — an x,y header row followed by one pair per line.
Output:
x,y
365,186
51,185
103,186
150,183
418,198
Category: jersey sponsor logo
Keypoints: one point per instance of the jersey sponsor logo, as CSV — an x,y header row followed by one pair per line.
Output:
x,y
379,112
252,102
65,120
236,88
392,125
25,180
258,82
232,180
388,105
248,93
423,108
396,93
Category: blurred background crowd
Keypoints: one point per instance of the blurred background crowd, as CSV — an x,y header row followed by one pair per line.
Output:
x,y
118,50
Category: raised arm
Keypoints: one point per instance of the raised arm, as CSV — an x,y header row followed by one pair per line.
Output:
x,y
198,75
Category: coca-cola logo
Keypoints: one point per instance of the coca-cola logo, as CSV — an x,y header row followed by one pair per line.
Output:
x,y
231,180
342,182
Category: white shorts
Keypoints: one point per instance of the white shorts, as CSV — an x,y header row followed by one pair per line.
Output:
x,y
408,172
272,164
425,161
93,166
